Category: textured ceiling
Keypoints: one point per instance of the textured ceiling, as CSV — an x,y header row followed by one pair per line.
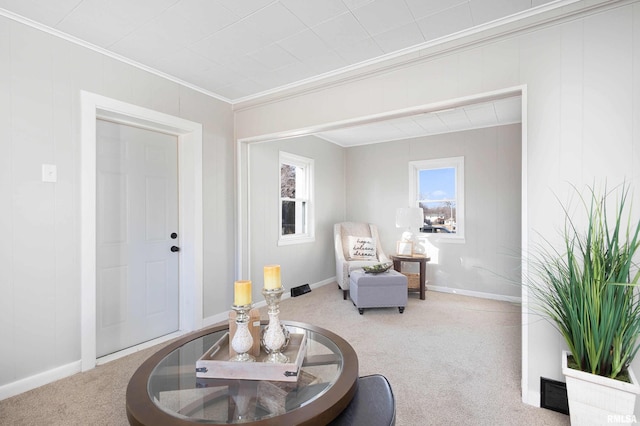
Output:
x,y
473,116
239,49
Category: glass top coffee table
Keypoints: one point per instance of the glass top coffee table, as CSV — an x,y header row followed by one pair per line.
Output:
x,y
165,390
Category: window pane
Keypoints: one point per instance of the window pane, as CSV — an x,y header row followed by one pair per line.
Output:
x,y
437,192
301,217
437,184
288,217
293,217
287,181
439,214
296,199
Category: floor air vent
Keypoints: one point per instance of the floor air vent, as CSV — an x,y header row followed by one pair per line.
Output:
x,y
553,395
300,290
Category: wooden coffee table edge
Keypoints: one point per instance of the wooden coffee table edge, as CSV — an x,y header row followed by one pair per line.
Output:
x,y
142,411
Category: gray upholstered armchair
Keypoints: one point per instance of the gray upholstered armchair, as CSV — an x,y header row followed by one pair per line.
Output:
x,y
356,245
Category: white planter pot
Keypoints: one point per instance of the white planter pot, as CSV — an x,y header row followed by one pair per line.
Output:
x,y
598,400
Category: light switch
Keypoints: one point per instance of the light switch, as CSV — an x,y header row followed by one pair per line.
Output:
x,y
49,173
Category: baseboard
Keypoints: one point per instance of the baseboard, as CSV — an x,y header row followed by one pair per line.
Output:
x,y
142,346
40,379
319,284
478,294
49,376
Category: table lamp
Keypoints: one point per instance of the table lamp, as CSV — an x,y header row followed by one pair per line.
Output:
x,y
409,218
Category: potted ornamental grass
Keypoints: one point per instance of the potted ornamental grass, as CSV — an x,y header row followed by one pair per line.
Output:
x,y
587,287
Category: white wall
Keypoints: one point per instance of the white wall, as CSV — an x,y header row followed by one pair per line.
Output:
x,y
489,260
40,81
373,183
582,114
307,263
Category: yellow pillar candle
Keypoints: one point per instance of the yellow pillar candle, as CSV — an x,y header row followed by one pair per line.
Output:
x,y
272,277
242,293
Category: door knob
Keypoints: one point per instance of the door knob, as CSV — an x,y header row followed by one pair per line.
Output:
x,y
175,249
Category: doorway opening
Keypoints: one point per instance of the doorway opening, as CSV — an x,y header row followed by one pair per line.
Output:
x,y
246,251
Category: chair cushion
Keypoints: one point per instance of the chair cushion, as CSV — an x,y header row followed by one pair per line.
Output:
x,y
372,405
362,248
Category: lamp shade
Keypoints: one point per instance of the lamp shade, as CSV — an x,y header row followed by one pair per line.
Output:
x,y
409,217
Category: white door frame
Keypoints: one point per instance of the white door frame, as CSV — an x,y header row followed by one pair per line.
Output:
x,y
190,227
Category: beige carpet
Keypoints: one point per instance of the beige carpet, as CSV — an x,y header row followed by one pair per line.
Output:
x,y
451,360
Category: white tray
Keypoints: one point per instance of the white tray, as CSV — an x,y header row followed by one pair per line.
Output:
x,y
215,364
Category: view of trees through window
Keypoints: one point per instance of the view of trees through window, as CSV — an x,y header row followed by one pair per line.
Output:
x,y
288,195
296,193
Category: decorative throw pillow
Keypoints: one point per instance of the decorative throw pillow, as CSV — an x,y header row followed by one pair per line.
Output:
x,y
362,248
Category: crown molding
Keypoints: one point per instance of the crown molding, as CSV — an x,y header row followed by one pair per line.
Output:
x,y
531,20
105,52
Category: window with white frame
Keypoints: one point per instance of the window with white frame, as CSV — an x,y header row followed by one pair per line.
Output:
x,y
438,187
296,217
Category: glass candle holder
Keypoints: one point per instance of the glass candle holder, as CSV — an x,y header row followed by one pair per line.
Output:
x,y
242,340
275,336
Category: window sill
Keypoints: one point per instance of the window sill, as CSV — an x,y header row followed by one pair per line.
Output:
x,y
443,238
303,239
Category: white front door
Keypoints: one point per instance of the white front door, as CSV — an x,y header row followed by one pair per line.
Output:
x,y
137,225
